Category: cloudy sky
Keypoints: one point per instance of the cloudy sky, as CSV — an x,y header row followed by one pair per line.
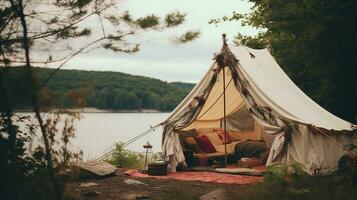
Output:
x,y
161,59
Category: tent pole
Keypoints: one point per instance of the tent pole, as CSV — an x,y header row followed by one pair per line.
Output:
x,y
224,117
224,102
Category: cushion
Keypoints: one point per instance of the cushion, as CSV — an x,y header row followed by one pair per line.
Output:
x,y
230,147
238,135
229,137
191,143
214,139
249,149
202,131
204,144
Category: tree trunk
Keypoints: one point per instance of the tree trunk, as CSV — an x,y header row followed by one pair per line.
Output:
x,y
7,114
20,11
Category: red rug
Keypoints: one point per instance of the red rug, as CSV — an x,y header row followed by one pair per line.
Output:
x,y
209,177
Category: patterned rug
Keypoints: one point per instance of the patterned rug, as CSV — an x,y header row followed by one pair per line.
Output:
x,y
209,177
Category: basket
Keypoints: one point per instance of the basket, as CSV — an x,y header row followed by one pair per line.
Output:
x,y
157,169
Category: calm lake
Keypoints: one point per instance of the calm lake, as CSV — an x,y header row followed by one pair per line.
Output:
x,y
97,132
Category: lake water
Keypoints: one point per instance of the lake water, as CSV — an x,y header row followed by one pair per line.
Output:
x,y
97,132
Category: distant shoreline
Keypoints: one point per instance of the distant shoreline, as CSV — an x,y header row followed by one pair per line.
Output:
x,y
95,110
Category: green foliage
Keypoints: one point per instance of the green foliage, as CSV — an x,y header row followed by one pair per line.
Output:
x,y
347,165
149,21
29,169
174,19
281,173
287,181
315,42
125,158
187,37
23,157
60,129
104,90
291,182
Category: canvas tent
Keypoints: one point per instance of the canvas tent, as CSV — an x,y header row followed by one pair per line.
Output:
x,y
261,97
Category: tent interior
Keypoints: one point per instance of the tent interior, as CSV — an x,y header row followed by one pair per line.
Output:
x,y
238,118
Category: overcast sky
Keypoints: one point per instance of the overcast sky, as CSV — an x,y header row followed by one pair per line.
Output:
x,y
161,59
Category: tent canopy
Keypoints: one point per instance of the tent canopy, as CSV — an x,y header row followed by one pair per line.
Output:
x,y
258,89
274,87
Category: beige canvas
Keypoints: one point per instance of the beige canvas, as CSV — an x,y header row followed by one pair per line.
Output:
x,y
273,103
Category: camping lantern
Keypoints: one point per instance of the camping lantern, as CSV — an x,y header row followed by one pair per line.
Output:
x,y
148,150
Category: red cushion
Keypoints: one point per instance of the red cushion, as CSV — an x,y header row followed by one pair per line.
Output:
x,y
204,144
229,138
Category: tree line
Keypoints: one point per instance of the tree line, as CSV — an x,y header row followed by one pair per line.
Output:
x,y
102,90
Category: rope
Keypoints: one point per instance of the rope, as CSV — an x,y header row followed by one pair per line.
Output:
x,y
214,101
154,127
129,142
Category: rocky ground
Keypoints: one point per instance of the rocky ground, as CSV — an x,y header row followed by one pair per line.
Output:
x,y
278,186
125,187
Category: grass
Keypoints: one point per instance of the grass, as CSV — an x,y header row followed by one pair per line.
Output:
x,y
327,188
280,183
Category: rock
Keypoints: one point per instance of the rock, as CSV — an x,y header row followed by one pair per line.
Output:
x,y
215,195
92,193
133,182
88,184
97,168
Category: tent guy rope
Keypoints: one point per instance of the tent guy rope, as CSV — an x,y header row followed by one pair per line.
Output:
x,y
109,153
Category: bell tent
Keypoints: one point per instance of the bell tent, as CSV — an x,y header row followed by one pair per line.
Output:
x,y
247,91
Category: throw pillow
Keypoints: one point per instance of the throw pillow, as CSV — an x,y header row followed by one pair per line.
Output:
x,y
204,144
229,138
214,139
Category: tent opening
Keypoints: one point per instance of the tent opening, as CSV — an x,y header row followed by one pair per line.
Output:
x,y
244,133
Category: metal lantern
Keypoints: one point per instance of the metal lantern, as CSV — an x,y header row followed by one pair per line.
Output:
x,y
148,150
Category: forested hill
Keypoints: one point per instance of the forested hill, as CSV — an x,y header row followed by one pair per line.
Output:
x,y
104,90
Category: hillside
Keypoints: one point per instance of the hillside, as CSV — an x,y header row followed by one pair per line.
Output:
x,y
102,90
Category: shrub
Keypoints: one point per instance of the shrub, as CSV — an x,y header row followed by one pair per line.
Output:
x,y
292,182
125,158
284,174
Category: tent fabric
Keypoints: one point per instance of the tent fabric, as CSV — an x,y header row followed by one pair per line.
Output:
x,y
184,115
302,129
211,114
212,109
278,91
241,120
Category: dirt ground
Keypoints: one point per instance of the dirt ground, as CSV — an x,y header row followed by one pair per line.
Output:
x,y
111,188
